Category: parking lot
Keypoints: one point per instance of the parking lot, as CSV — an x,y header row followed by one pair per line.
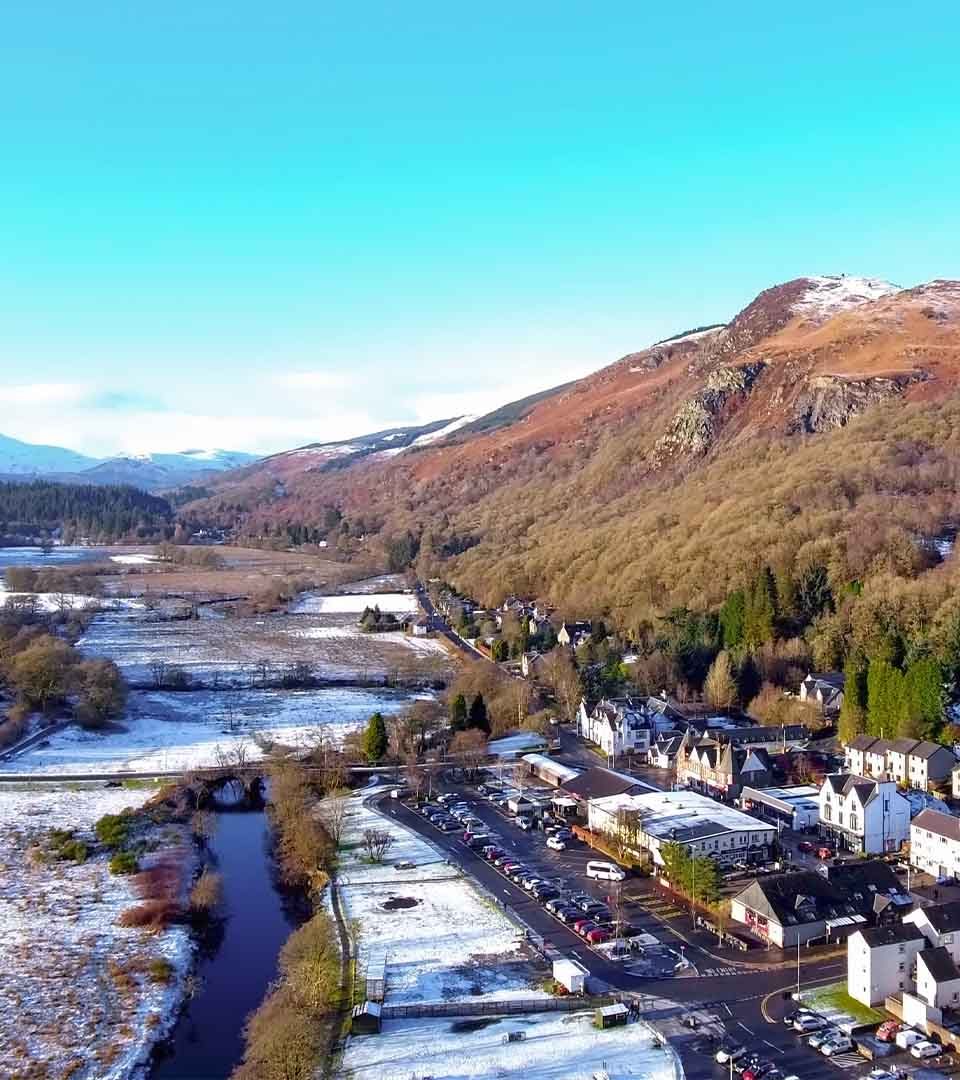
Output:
x,y
554,877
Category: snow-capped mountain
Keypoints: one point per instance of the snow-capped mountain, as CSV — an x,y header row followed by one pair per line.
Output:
x,y
30,459
151,471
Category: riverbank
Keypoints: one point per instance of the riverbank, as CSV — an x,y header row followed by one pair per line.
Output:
x,y
80,994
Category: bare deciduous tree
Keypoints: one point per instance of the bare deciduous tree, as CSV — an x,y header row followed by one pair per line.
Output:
x,y
333,814
376,843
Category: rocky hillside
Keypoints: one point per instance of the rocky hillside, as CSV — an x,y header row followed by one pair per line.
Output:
x,y
846,387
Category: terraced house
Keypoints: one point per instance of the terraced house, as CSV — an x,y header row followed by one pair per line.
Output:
x,y
912,762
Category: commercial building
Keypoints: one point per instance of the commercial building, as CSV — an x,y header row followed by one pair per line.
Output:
x,y
644,822
548,770
796,808
806,906
717,767
860,814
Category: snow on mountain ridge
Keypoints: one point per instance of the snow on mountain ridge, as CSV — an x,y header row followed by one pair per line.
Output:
x,y
829,295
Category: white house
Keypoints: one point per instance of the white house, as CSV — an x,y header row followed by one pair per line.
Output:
x,y
914,763
617,727
865,815
940,925
935,844
880,961
824,690
938,980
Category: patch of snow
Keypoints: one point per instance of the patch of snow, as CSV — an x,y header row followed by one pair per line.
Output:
x,y
830,295
390,637
74,986
555,1046
442,433
133,560
355,603
51,602
167,731
451,944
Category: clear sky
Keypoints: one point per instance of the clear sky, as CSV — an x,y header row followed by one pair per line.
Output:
x,y
254,225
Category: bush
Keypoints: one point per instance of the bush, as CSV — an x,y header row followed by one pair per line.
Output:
x,y
124,862
74,850
160,970
206,892
152,915
113,829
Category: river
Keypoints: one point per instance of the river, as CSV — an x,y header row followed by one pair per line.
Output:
x,y
237,964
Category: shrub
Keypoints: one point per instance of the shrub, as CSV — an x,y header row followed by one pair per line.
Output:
x,y
124,862
206,892
74,850
113,829
151,915
160,970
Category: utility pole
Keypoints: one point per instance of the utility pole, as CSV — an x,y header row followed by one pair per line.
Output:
x,y
798,966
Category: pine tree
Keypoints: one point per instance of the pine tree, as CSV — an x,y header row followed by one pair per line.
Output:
x,y
885,699
375,738
732,619
923,700
853,711
458,713
478,715
761,611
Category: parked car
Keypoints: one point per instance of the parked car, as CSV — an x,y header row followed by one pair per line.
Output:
x,y
558,902
598,936
525,823
543,893
887,1031
807,1024
476,841
491,852
584,928
818,1038
925,1049
448,825
556,844
578,924
825,852
839,1044
567,915
804,845
799,1014
746,1064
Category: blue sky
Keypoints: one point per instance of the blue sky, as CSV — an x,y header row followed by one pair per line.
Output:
x,y
254,225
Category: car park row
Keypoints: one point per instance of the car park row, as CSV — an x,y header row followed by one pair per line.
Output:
x,y
587,916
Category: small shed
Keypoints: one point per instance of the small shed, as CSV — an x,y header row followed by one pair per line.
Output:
x,y
611,1016
375,975
366,1019
570,975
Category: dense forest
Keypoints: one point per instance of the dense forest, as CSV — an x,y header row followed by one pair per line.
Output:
x,y
100,514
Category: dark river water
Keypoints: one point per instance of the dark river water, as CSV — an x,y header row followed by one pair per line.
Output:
x,y
235,967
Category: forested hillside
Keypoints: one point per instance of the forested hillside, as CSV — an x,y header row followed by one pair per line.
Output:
x,y
812,442
101,514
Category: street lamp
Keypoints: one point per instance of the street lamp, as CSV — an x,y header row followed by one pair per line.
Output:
x,y
798,966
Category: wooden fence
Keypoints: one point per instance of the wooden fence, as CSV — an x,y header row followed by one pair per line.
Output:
x,y
510,1007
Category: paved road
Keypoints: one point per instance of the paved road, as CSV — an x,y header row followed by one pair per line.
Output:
x,y
440,624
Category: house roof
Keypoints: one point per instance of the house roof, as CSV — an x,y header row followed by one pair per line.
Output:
x,y
928,749
897,934
903,746
598,783
834,679
942,824
862,742
805,896
944,918
939,963
844,783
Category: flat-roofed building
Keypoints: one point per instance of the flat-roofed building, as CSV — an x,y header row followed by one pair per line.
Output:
x,y
796,808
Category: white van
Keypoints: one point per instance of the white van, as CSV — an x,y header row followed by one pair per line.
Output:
x,y
604,871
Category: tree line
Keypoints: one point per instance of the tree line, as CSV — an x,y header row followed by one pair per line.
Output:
x,y
103,514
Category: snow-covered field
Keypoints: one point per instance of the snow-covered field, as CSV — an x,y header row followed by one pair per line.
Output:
x,y
449,942
556,1046
75,988
396,603
171,731
65,602
232,651
138,559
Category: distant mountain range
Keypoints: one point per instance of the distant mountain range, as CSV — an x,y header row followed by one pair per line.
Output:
x,y
153,472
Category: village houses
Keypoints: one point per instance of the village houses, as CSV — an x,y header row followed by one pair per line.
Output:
x,y
861,814
910,762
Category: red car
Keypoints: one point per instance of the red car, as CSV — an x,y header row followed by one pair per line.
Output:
x,y
586,928
804,845
825,853
887,1031
598,936
580,923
